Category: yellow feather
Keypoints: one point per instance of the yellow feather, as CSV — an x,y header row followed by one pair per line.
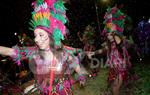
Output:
x,y
40,15
44,14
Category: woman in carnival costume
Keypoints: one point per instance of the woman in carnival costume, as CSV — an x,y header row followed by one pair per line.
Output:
x,y
117,54
87,38
50,61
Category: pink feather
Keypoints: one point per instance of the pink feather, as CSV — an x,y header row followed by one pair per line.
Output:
x,y
50,2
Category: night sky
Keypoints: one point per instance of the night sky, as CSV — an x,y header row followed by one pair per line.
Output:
x,y
15,15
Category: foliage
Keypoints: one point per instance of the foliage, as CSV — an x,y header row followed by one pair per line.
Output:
x,y
142,85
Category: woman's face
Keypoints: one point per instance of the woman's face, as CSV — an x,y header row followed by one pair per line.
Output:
x,y
42,39
110,37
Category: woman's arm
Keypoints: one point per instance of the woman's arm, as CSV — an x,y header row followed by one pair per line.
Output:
x,y
23,52
78,34
72,49
91,53
7,51
82,74
75,64
99,51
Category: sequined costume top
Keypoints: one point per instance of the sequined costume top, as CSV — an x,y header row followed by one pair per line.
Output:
x,y
41,69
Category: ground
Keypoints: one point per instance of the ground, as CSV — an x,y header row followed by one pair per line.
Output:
x,y
94,85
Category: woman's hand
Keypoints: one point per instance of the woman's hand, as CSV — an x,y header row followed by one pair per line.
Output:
x,y
82,83
90,54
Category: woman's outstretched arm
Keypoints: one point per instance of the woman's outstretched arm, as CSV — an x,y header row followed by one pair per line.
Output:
x,y
7,51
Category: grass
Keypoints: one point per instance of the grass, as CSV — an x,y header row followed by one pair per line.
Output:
x,y
137,84
94,85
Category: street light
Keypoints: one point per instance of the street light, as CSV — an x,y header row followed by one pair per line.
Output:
x,y
105,1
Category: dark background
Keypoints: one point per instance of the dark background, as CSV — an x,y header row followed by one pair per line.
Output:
x,y
15,15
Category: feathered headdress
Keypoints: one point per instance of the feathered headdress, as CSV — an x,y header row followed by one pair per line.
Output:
x,y
114,16
50,14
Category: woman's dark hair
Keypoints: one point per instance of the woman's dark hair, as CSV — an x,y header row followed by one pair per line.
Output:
x,y
118,46
55,50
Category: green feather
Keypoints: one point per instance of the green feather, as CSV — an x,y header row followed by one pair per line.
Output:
x,y
57,36
39,2
59,6
42,22
59,17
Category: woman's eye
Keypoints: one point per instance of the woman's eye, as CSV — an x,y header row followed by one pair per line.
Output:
x,y
41,35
